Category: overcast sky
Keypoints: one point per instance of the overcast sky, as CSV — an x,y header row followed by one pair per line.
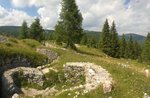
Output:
x,y
131,16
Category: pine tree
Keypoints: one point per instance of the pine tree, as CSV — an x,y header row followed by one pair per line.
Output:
x,y
114,52
71,20
137,50
123,46
36,30
23,33
146,50
59,34
84,39
130,49
105,38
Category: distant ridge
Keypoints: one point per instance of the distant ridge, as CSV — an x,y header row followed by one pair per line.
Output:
x,y
14,30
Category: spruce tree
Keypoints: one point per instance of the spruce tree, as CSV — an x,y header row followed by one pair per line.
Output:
x,y
123,46
146,50
84,39
59,34
130,48
23,33
105,38
71,21
36,30
114,52
137,50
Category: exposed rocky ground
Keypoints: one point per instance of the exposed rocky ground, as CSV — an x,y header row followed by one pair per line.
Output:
x,y
94,75
33,75
50,54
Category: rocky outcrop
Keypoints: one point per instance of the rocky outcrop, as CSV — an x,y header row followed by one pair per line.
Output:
x,y
50,54
95,75
13,62
32,75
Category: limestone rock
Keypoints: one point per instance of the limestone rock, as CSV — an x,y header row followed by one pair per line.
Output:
x,y
50,54
15,95
107,87
146,95
95,75
33,75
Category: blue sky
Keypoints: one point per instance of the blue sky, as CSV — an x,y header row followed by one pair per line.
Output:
x,y
131,16
32,11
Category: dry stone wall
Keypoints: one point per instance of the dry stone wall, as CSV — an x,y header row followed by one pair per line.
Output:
x,y
33,75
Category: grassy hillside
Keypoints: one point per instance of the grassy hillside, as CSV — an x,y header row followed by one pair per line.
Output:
x,y
14,31
23,48
130,82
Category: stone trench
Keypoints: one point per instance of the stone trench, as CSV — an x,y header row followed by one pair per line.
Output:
x,y
12,66
94,74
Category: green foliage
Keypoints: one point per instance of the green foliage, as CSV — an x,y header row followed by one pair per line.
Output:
x,y
70,24
133,49
84,39
36,30
146,50
92,43
23,33
31,43
123,46
115,47
105,39
54,78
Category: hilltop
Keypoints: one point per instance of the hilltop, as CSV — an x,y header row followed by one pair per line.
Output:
x,y
128,75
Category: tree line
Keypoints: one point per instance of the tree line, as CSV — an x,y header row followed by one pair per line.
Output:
x,y
34,32
69,30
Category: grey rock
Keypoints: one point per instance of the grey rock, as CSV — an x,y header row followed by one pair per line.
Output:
x,y
33,75
50,54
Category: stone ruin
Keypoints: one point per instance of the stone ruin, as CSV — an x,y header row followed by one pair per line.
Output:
x,y
50,54
33,75
94,75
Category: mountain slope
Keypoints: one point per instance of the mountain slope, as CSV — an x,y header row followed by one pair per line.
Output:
x,y
14,30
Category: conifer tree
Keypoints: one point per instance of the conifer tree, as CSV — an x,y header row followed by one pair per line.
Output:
x,y
130,48
105,38
114,52
146,50
23,33
71,20
137,50
84,39
36,30
123,46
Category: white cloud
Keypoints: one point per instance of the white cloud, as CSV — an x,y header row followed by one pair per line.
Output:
x,y
133,17
13,17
